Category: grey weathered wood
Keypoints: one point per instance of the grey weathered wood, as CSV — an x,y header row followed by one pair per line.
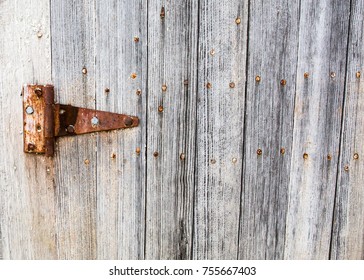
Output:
x,y
120,169
73,47
348,232
172,59
26,191
317,121
273,36
220,109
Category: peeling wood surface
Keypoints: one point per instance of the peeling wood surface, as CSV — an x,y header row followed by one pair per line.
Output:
x,y
204,175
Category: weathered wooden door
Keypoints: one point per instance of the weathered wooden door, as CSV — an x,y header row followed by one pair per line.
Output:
x,y
250,141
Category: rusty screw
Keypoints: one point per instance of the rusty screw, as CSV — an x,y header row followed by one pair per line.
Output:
x,y
257,79
137,150
332,74
133,75
208,85
128,121
31,147
232,85
358,74
238,20
138,91
86,161
329,157
113,156
160,109
70,129
305,156
306,75
259,152
212,52
84,70
29,110
163,13
136,39
234,160
155,154
107,90
213,161
346,168
38,92
283,82
182,156
164,87
283,151
356,156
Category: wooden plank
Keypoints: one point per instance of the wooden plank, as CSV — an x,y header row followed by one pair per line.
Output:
x,y
172,53
317,123
273,35
73,43
348,231
27,214
121,50
220,118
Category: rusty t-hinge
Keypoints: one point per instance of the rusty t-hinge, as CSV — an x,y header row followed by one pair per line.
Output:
x,y
44,120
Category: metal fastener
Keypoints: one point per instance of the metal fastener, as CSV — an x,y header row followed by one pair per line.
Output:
x,y
329,157
358,74
332,74
39,34
163,13
238,20
84,70
138,91
306,75
113,156
136,39
31,147
137,150
356,156
164,87
86,161
346,168
283,151
232,85
182,156
213,161
128,121
208,85
133,75
212,52
259,152
29,110
305,156
94,121
283,82
38,92
107,90
257,79
234,160
70,129
160,109
155,154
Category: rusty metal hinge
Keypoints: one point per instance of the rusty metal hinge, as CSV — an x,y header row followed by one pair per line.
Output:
x,y
44,120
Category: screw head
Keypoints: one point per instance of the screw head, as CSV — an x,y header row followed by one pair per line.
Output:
x,y
133,75
237,20
31,147
257,79
259,152
182,156
38,92
283,151
29,110
107,90
213,161
306,75
356,156
346,168
136,39
39,34
84,70
358,74
160,109
332,74
305,156
329,157
137,150
234,160
208,85
212,52
128,121
283,82
70,129
232,85
155,154
164,87
95,121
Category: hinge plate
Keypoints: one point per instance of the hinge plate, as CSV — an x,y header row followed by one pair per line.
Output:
x,y
44,120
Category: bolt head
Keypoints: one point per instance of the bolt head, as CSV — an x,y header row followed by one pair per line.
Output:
x,y
95,121
70,129
128,121
29,110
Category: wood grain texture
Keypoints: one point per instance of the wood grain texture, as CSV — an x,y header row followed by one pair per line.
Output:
x,y
348,231
73,48
220,117
172,60
317,121
27,213
273,36
120,169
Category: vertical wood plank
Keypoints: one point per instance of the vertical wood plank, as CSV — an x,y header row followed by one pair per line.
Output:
x,y
172,53
73,43
348,231
317,121
121,51
273,35
27,214
220,117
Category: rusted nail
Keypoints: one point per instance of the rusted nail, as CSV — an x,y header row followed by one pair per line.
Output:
x,y
329,157
31,147
39,34
283,82
164,87
84,70
39,127
232,85
358,74
133,75
160,109
259,152
113,156
257,79
38,92
234,160
185,82
155,154
94,121
208,85
86,161
107,90
138,91
237,20
70,129
306,75
137,150
128,121
332,74
356,156
283,151
163,13
29,110
212,52
305,156
136,39
213,161
182,156
48,169
346,168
